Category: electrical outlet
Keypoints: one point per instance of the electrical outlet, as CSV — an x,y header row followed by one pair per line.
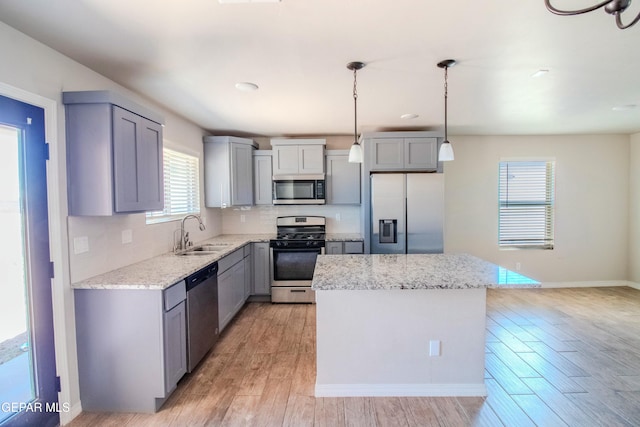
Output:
x,y
127,236
518,265
80,245
434,348
338,217
243,218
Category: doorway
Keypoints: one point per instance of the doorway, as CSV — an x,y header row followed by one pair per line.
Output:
x,y
28,383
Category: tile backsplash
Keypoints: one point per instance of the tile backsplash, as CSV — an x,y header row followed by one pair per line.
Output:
x,y
262,219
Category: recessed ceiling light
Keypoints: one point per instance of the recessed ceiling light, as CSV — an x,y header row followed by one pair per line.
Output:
x,y
627,107
540,73
409,116
246,86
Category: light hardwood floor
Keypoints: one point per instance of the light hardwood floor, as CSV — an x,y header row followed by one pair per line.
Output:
x,y
554,357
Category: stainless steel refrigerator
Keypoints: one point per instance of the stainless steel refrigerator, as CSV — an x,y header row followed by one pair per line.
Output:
x,y
407,213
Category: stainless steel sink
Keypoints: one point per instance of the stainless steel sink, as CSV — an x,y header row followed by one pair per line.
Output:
x,y
203,250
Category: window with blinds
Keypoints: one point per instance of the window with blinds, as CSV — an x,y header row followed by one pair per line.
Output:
x,y
526,194
181,187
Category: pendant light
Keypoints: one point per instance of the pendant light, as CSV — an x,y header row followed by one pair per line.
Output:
x,y
355,153
446,150
612,7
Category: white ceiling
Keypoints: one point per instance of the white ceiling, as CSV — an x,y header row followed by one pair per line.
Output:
x,y
188,55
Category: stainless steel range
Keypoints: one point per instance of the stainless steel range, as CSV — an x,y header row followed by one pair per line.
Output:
x,y
300,239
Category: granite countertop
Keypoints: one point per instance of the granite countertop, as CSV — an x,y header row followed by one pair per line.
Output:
x,y
164,270
413,271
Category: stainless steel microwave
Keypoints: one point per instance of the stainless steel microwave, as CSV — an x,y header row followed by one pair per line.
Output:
x,y
298,189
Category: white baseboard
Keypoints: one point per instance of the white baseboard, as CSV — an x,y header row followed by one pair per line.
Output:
x,y
399,390
590,284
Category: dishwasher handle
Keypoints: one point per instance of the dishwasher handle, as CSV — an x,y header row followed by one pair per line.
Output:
x,y
200,276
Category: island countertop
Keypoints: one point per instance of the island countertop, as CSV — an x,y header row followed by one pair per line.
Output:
x,y
412,271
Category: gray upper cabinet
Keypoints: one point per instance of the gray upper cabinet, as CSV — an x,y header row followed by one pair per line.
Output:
x,y
399,154
262,187
228,170
342,179
114,155
298,156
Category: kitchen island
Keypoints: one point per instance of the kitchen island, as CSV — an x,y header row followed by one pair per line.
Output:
x,y
403,325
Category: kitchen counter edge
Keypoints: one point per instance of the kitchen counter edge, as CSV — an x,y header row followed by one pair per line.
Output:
x,y
165,270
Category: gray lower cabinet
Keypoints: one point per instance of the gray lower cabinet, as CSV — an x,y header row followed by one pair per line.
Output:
x,y
231,286
342,178
262,178
248,276
132,347
114,155
344,247
261,268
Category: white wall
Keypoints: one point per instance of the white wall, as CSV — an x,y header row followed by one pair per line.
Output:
x,y
592,204
32,67
634,209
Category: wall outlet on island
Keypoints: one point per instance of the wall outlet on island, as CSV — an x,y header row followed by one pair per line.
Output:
x,y
338,217
518,266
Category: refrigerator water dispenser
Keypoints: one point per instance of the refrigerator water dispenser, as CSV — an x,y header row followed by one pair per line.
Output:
x,y
388,231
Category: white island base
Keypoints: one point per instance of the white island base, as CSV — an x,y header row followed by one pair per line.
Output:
x,y
400,342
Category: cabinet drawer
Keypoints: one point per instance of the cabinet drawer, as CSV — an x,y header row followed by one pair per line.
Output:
x,y
174,295
230,260
353,247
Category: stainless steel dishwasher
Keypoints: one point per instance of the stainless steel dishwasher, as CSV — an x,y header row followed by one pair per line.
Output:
x,y
202,314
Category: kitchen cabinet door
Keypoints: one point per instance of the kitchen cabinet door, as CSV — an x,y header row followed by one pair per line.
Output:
x,y
248,276
342,179
311,159
175,345
386,154
225,298
262,177
285,160
420,153
354,247
261,269
241,174
333,248
137,163
238,287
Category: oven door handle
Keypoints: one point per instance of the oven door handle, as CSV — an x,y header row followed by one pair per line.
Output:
x,y
318,250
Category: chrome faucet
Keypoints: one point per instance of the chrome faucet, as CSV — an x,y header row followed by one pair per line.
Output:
x,y
184,237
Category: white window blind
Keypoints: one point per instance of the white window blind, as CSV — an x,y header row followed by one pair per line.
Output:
x,y
526,204
181,187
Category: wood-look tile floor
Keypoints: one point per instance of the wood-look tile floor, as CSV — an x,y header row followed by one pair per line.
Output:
x,y
555,357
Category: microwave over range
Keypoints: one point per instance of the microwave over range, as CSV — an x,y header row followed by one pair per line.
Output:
x,y
299,189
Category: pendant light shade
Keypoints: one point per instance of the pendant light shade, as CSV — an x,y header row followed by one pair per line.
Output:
x,y
355,153
446,150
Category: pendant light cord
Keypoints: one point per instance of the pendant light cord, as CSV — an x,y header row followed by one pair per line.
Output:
x,y
355,106
446,69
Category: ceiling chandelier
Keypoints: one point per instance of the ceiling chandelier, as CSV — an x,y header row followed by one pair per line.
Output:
x,y
612,7
355,153
446,150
